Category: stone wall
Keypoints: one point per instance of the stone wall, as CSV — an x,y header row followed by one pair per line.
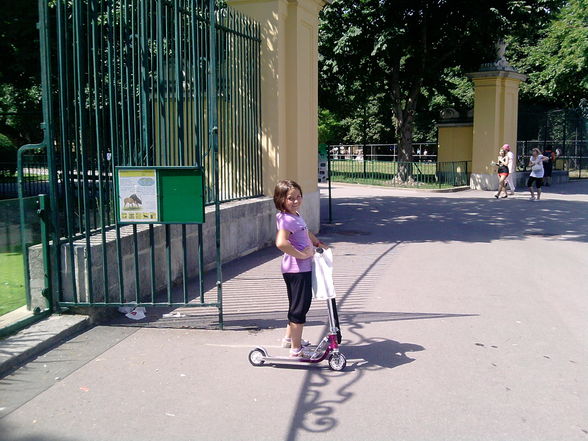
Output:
x,y
246,226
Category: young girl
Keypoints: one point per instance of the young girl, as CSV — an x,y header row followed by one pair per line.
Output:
x,y
298,244
502,164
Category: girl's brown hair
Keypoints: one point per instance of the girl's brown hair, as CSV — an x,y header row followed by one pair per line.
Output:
x,y
281,192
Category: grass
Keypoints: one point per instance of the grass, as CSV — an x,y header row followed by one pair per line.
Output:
x,y
12,291
384,168
575,174
29,177
385,173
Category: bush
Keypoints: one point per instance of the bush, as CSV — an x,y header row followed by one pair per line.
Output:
x,y
7,155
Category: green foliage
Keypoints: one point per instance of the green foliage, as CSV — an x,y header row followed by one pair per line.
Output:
x,y
7,155
20,92
329,128
409,58
558,64
5,143
400,49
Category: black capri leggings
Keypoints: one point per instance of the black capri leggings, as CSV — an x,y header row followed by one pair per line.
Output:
x,y
299,286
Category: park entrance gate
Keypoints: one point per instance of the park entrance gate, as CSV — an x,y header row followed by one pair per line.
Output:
x,y
146,83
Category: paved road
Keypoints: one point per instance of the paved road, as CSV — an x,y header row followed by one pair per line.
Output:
x,y
464,318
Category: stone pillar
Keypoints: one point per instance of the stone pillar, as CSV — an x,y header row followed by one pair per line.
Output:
x,y
289,94
496,104
455,141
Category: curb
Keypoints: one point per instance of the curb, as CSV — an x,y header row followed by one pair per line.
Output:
x,y
17,349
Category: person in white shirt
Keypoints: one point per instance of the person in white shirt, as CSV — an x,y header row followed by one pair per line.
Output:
x,y
511,168
536,163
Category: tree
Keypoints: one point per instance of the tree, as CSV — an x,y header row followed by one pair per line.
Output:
x,y
558,64
20,91
403,49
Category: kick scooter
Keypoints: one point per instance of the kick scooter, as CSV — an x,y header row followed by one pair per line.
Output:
x,y
327,349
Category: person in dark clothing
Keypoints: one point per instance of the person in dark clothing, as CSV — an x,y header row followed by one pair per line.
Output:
x,y
548,165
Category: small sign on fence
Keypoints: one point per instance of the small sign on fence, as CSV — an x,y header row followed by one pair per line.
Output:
x,y
163,195
137,195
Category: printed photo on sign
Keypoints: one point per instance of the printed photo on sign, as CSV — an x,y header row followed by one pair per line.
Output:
x,y
137,191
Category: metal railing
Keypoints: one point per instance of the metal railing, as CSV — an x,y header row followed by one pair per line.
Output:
x,y
401,174
151,60
421,151
144,83
570,156
35,177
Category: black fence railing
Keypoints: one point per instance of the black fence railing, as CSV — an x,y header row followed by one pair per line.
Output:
x,y
570,156
35,179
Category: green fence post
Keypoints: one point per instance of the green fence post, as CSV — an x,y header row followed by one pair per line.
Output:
x,y
454,173
21,195
329,179
48,131
44,213
213,147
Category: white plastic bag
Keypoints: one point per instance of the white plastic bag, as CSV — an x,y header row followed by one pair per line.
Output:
x,y
322,276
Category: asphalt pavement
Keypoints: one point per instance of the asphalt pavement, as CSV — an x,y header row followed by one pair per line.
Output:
x,y
463,318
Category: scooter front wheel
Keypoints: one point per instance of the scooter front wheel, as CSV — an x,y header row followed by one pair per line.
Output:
x,y
337,361
256,357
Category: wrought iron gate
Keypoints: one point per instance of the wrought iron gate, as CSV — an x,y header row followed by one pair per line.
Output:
x,y
144,83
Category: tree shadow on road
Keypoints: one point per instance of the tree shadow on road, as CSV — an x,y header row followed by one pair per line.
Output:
x,y
395,218
317,409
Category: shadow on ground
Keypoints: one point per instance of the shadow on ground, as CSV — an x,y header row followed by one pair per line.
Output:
x,y
443,219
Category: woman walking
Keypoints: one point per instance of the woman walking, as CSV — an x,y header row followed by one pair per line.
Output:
x,y
502,164
537,171
511,168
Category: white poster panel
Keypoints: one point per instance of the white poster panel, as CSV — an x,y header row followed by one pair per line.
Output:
x,y
137,193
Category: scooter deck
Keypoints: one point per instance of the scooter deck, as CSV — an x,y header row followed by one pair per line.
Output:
x,y
291,360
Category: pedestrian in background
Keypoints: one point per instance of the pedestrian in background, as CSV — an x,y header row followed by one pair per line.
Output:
x,y
502,164
548,165
511,168
537,171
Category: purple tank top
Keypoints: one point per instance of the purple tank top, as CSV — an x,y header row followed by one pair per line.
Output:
x,y
299,239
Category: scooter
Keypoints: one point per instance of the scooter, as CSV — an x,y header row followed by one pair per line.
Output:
x,y
327,349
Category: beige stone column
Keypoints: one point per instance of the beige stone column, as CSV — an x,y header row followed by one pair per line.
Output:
x,y
455,141
289,94
496,105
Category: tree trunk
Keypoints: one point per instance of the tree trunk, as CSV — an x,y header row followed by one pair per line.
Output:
x,y
404,137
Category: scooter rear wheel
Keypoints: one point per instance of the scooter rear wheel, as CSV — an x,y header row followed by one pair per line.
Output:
x,y
256,357
337,361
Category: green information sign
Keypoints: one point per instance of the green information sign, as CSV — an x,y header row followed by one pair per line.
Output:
x,y
162,195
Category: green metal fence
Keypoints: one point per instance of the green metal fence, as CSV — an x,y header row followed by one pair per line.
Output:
x,y
144,83
571,155
562,131
404,174
35,176
133,82
23,233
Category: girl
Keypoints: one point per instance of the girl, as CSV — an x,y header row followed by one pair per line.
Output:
x,y
502,164
297,243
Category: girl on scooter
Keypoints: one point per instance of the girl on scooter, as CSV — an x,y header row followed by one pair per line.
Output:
x,y
298,244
